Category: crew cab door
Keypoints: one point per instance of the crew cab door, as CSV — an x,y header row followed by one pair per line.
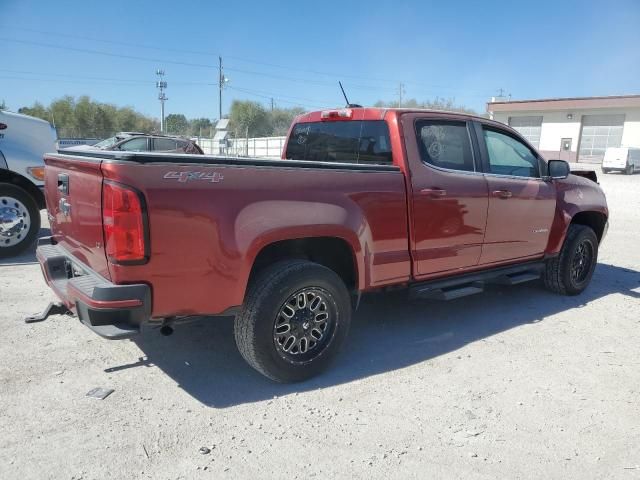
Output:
x,y
448,194
521,203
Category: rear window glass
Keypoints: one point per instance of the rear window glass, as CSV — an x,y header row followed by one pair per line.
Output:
x,y
362,141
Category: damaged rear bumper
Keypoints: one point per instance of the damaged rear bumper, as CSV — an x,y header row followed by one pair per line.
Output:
x,y
112,311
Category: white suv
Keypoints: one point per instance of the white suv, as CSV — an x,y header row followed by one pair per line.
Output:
x,y
23,142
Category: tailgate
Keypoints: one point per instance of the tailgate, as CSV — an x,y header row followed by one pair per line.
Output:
x,y
73,190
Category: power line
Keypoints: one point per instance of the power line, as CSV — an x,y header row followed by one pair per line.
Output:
x,y
280,96
103,79
257,62
199,52
282,100
108,54
305,81
188,64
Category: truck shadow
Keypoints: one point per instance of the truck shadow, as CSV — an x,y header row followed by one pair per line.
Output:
x,y
388,333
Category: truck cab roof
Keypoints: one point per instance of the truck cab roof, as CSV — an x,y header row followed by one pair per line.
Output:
x,y
379,113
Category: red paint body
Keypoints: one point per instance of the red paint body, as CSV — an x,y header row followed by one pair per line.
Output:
x,y
204,236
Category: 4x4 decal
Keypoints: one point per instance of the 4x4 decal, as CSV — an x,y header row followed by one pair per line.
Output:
x,y
183,177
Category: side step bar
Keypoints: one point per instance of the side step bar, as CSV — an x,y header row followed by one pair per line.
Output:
x,y
471,283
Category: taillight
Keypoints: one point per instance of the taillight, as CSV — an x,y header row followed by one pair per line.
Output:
x,y
124,223
342,114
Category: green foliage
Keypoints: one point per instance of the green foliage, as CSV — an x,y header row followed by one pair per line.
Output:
x,y
281,119
3,106
86,118
448,104
176,124
201,127
251,119
248,118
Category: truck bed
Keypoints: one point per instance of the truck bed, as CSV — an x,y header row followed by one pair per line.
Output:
x,y
209,217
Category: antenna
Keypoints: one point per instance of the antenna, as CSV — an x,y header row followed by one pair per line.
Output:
x,y
349,105
343,94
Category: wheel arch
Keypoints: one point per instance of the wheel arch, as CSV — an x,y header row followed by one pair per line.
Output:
x,y
597,221
334,252
8,176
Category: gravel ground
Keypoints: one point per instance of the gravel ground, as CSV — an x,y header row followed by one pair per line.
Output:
x,y
513,383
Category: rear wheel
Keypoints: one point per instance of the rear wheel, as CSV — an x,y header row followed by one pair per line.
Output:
x,y
19,220
570,272
295,317
605,170
629,169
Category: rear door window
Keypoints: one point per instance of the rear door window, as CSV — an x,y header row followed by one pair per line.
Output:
x,y
445,144
362,141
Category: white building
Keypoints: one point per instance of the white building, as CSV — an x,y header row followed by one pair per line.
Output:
x,y
573,129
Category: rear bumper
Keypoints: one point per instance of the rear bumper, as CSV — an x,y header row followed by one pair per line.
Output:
x,y
112,311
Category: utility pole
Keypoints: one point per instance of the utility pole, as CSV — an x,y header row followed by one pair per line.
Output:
x,y
220,85
400,92
272,104
161,84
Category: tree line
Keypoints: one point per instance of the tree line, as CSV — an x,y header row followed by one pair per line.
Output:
x,y
87,118
448,104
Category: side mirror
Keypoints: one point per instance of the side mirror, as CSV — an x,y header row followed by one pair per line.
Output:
x,y
558,169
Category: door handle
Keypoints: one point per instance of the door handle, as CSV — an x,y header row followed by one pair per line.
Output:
x,y
502,194
433,192
63,183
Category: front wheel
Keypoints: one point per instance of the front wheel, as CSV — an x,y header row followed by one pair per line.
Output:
x,y
19,220
570,272
295,317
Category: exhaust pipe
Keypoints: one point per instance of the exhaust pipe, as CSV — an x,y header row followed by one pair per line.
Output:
x,y
166,330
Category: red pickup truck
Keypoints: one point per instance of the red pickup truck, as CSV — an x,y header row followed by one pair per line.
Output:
x,y
363,199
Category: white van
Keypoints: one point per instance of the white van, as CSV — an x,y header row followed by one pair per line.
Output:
x,y
621,159
23,142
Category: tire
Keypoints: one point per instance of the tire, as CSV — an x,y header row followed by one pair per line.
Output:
x,y
570,272
605,170
19,220
629,170
273,305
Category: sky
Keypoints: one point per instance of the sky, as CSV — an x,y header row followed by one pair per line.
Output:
x,y
295,51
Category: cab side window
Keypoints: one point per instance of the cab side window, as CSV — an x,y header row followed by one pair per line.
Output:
x,y
445,144
508,156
